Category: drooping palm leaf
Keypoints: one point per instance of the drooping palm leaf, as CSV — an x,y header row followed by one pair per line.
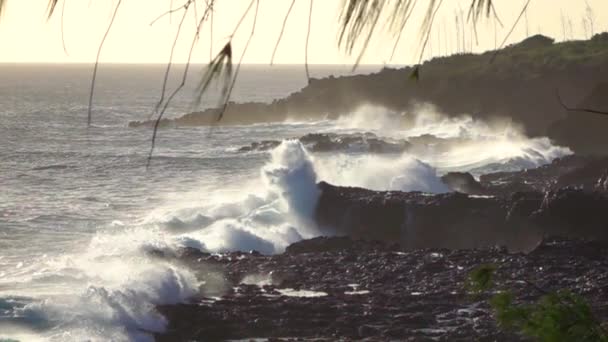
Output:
x,y
51,7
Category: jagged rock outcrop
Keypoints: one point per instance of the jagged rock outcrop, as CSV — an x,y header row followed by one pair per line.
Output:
x,y
330,142
565,198
419,220
587,173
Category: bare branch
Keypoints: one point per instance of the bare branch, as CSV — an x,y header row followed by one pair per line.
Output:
x,y
179,87
282,30
495,15
307,41
210,6
521,14
171,11
431,19
103,40
236,28
170,63
238,67
402,27
62,27
578,109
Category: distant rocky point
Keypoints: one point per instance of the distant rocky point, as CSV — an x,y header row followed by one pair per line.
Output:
x,y
519,83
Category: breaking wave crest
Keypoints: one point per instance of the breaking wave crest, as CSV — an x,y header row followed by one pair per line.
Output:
x,y
108,289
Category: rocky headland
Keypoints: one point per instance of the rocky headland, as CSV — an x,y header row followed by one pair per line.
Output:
x,y
397,264
520,83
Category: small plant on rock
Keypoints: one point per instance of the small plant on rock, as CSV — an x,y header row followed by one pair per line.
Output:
x,y
559,316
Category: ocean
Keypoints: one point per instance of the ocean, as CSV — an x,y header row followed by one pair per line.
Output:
x,y
79,211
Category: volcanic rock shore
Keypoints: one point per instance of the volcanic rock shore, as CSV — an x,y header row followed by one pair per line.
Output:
x,y
398,271
340,288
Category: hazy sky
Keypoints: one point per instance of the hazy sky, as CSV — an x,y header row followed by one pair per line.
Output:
x,y
26,35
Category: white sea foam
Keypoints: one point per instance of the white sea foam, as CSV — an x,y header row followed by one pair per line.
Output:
x,y
108,289
468,144
404,172
277,212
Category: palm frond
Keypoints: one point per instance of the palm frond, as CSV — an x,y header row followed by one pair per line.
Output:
x,y
51,7
359,18
219,68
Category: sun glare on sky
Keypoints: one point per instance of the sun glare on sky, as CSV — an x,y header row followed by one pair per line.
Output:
x,y
27,36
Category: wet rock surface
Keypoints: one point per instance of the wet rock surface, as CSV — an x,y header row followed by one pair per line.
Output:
x,y
330,288
585,173
463,182
515,209
398,270
331,142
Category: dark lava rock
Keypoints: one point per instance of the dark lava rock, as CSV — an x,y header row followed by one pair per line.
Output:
x,y
463,182
330,142
419,220
334,244
263,145
572,171
380,294
456,220
351,288
360,142
575,213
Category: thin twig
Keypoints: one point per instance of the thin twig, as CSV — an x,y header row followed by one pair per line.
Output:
x,y
236,28
211,31
282,30
523,10
177,90
97,62
195,14
307,40
428,33
171,11
62,25
495,14
407,17
238,66
170,63
577,109
366,43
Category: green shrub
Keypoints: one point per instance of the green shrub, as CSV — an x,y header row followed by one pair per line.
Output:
x,y
560,316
